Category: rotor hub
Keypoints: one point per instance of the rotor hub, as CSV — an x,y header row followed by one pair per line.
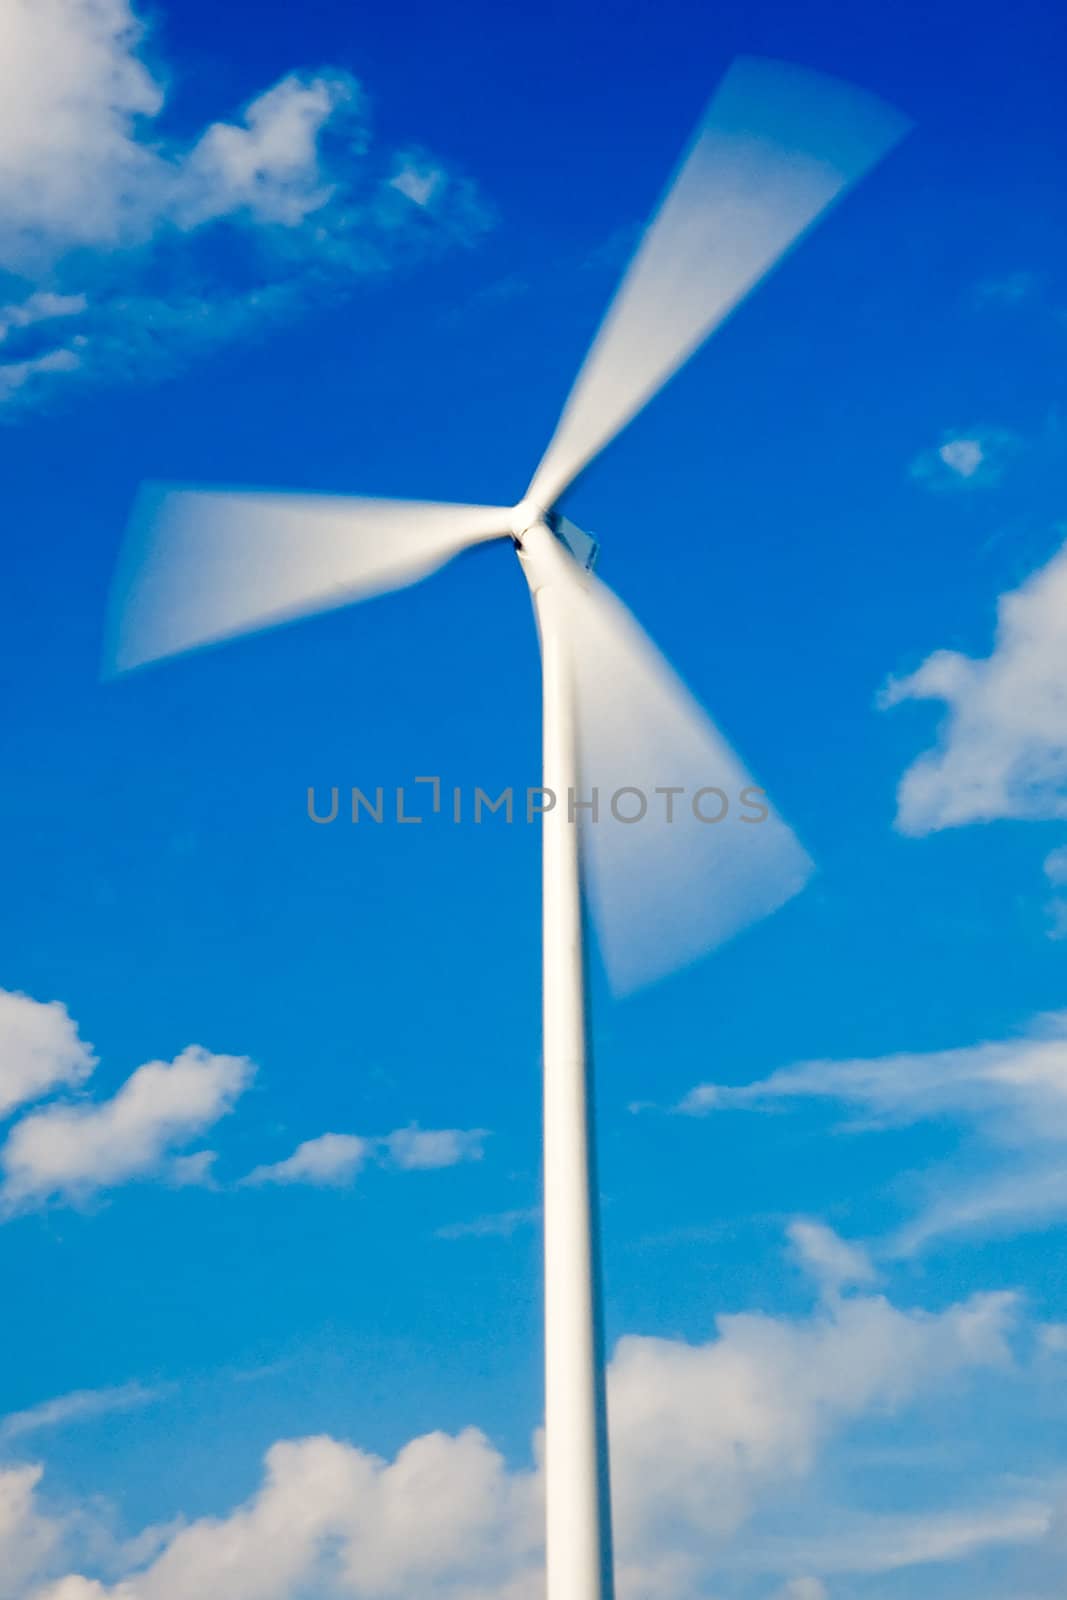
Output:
x,y
526,515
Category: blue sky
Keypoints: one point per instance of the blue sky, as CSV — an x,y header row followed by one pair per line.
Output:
x,y
831,1154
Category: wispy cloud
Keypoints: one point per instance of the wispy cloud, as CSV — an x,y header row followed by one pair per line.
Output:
x,y
1003,749
1013,1194
1009,290
497,1225
83,1405
974,458
195,1171
123,251
1012,1092
1055,869
1016,1087
890,1543
40,307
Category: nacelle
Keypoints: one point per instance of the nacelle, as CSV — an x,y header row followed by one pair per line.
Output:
x,y
582,546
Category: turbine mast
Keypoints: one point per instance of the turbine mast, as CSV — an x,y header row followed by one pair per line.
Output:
x,y
578,1510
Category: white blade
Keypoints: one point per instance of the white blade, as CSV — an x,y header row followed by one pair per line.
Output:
x,y
204,565
663,892
776,146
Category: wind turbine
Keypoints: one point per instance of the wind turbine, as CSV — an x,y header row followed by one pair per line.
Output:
x,y
776,147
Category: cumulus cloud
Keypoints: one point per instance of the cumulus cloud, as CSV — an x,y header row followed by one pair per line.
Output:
x,y
74,95
72,1151
1013,1092
966,460
334,1160
331,1161
98,205
268,166
73,1588
1002,751
40,1050
416,1148
445,1516
28,1537
702,1435
701,1432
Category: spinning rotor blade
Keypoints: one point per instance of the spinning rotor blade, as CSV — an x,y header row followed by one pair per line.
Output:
x,y
776,146
204,565
663,892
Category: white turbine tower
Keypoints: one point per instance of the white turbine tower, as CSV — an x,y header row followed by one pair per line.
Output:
x,y
776,147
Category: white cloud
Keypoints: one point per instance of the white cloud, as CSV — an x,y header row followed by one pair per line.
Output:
x,y
71,1151
1053,1338
1017,1088
872,1544
444,1516
74,1588
499,1225
40,1050
963,456
1013,1091
334,1160
1055,869
81,166
1003,749
701,1432
40,307
1055,866
17,375
73,92
703,1436
97,203
416,1148
81,1406
803,1589
703,1098
1011,1196
195,1171
419,179
27,1536
268,165
331,1161
834,1262
966,460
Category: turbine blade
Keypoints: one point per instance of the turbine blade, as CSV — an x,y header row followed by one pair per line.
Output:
x,y
777,145
663,892
204,565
